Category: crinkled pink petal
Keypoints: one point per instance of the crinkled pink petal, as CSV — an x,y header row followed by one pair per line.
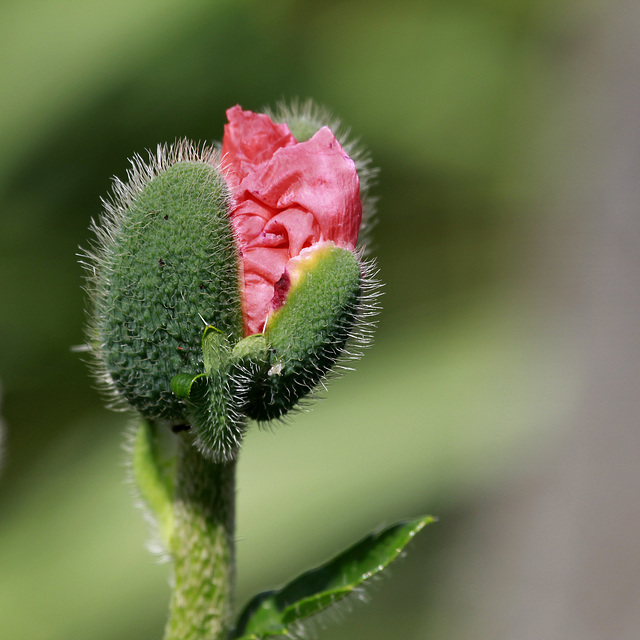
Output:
x,y
294,228
250,139
288,196
264,262
249,218
318,176
260,265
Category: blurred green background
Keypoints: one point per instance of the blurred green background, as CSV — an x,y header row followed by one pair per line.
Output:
x,y
449,409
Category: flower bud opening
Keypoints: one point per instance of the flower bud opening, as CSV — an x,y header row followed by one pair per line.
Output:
x,y
287,196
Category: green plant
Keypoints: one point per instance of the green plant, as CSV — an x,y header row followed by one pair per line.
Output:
x,y
226,285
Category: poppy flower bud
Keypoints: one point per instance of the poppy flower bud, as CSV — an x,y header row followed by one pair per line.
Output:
x,y
225,287
297,211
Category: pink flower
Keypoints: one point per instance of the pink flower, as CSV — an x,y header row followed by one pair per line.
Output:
x,y
287,196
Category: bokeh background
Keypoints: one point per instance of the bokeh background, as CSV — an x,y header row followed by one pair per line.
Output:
x,y
501,392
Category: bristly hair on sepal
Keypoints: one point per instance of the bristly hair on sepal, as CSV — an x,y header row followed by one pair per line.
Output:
x,y
325,324
164,256
216,417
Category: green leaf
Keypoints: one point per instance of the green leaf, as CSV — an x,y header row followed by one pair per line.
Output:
x,y
272,613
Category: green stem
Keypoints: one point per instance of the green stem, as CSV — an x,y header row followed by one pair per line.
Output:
x,y
202,547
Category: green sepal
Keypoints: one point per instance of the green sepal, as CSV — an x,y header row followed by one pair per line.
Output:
x,y
154,475
215,349
182,384
252,349
249,364
274,613
213,399
308,333
169,259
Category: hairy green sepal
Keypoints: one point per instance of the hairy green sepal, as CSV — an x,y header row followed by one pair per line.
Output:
x,y
277,613
172,262
213,399
305,337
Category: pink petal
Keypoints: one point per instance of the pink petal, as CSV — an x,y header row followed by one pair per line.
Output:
x,y
250,139
260,265
249,218
295,227
317,176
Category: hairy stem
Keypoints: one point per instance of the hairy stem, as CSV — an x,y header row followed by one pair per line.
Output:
x,y
202,547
